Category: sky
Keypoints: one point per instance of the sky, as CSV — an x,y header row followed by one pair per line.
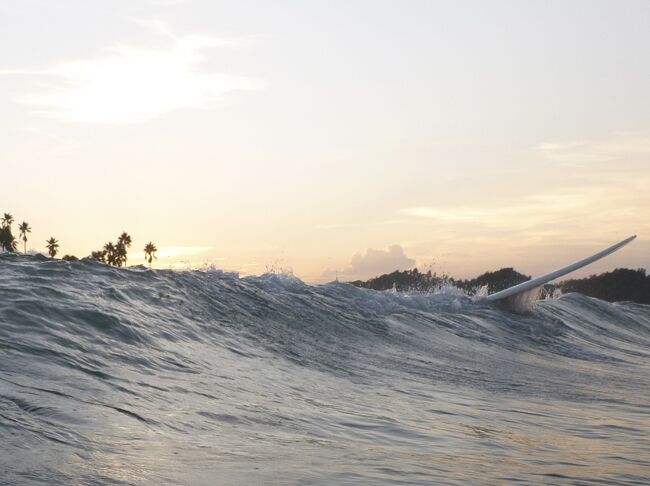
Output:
x,y
333,138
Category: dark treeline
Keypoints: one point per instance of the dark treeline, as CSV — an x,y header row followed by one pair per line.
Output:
x,y
622,284
403,281
416,280
496,281
114,254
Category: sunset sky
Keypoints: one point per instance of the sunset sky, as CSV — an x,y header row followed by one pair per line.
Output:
x,y
349,137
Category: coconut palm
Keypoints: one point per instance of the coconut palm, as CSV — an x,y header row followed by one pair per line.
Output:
x,y
125,239
7,240
7,219
120,255
100,256
123,242
52,246
109,251
150,252
24,229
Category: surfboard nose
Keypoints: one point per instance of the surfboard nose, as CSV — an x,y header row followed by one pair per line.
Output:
x,y
536,282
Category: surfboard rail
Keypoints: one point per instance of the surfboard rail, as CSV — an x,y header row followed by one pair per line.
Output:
x,y
543,279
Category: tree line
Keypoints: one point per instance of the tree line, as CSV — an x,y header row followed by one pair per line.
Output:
x,y
114,254
621,284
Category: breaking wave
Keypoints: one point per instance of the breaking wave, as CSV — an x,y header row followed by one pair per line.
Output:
x,y
137,376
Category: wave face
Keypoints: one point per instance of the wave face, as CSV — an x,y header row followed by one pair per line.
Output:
x,y
138,377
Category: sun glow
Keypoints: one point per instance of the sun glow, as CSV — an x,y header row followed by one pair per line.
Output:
x,y
171,252
256,135
131,84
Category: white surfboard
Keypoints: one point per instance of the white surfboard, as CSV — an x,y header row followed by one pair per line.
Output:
x,y
539,281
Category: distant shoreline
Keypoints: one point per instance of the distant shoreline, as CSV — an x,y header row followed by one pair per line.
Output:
x,y
621,284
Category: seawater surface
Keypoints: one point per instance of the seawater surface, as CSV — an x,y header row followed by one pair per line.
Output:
x,y
141,377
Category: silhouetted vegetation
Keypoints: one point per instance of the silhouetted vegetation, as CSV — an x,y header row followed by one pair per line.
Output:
x,y
415,280
622,284
7,220
7,239
24,228
114,254
403,281
99,255
495,281
52,247
150,252
123,242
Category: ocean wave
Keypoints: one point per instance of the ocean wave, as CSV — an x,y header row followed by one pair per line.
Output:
x,y
138,376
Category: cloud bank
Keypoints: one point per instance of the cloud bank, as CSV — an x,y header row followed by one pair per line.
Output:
x,y
372,264
620,148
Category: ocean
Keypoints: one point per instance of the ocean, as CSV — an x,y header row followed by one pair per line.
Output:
x,y
157,377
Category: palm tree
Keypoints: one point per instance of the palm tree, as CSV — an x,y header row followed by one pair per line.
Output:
x,y
150,252
7,219
7,240
109,250
52,246
100,255
125,238
123,242
24,229
120,254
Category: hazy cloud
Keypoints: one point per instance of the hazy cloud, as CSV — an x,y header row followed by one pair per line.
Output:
x,y
372,264
620,147
563,215
130,84
527,212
